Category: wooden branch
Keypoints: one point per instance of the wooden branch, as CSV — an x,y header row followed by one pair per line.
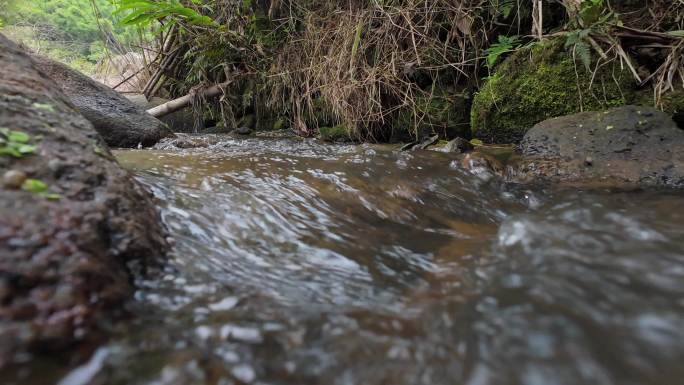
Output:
x,y
128,78
642,35
184,101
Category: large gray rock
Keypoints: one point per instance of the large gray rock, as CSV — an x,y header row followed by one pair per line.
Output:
x,y
63,258
624,146
120,122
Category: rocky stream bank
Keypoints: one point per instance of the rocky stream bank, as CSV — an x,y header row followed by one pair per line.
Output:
x,y
72,222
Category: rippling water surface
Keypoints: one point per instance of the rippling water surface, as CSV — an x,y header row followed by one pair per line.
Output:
x,y
302,263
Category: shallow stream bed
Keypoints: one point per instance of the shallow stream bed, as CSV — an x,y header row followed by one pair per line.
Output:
x,y
301,263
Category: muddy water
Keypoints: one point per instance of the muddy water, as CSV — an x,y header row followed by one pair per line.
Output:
x,y
301,263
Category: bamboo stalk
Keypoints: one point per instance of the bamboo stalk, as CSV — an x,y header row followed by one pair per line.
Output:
x,y
167,63
167,56
128,78
184,101
538,19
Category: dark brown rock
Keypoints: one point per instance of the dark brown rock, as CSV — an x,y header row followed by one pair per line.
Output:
x,y
63,262
624,146
120,122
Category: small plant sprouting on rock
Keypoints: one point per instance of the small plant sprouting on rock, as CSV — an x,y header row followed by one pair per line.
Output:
x,y
44,107
39,187
504,45
15,143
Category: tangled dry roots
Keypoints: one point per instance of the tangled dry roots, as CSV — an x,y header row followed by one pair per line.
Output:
x,y
364,64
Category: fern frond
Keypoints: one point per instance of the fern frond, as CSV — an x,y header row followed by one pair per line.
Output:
x,y
583,51
504,45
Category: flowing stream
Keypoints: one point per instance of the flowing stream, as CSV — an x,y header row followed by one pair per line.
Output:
x,y
302,263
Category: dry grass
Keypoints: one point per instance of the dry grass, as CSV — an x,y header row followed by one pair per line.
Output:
x,y
365,64
649,38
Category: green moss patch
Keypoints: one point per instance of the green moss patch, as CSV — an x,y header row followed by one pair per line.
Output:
x,y
339,133
543,82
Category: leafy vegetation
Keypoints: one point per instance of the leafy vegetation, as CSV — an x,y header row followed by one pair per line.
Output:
x,y
15,143
71,31
577,41
504,45
40,188
145,13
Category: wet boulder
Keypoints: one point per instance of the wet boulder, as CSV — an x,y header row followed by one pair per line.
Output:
x,y
120,122
630,145
72,221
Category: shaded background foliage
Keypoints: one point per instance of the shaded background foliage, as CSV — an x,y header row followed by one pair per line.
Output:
x,y
78,32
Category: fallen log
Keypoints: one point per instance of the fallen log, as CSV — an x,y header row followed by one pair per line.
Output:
x,y
184,101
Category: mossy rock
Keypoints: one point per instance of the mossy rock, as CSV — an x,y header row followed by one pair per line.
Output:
x,y
542,82
335,134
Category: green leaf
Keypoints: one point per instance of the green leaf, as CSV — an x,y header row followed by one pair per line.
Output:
x,y
39,187
51,196
676,33
34,186
504,45
591,11
507,8
18,137
577,41
26,149
583,50
44,107
10,151
476,142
